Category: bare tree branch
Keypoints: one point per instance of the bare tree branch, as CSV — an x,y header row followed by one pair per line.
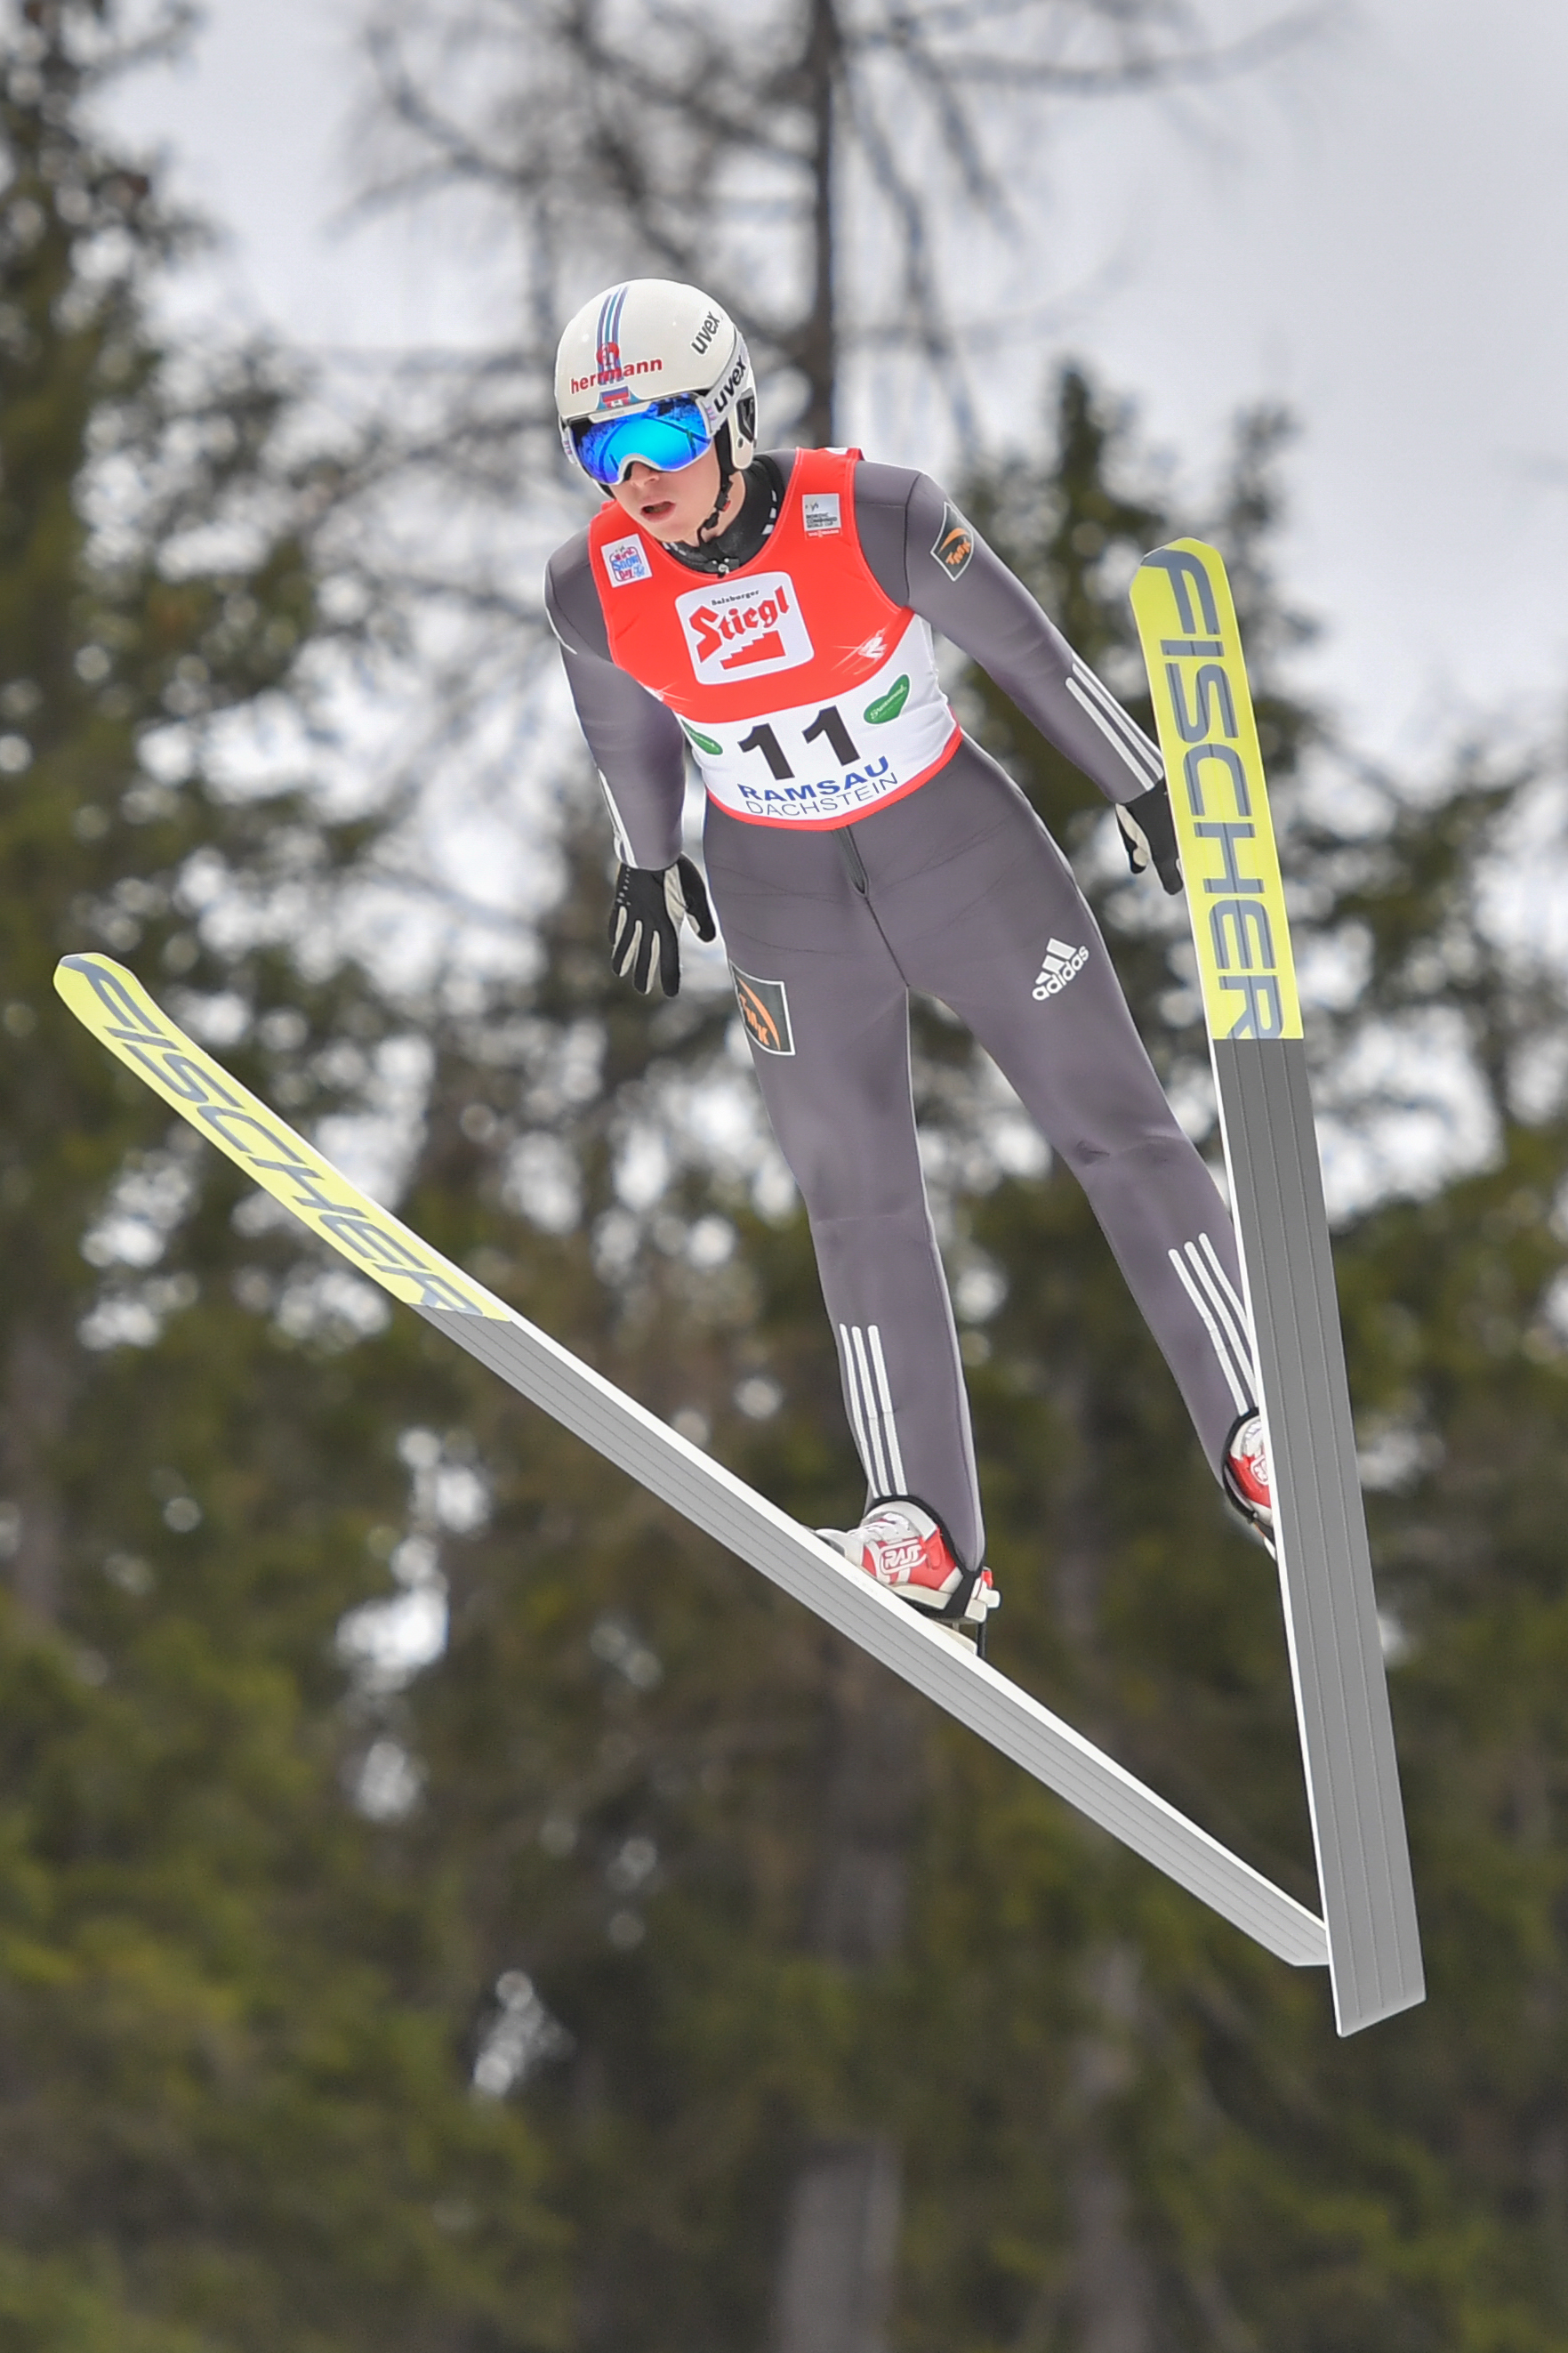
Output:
x,y
725,148
1143,69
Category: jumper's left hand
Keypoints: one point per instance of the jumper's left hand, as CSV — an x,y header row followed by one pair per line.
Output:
x,y
1148,835
651,904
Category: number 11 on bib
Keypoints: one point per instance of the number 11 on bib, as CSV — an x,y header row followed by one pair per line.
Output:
x,y
1186,621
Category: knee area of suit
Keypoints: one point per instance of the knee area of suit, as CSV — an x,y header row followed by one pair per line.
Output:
x,y
872,1224
1146,1149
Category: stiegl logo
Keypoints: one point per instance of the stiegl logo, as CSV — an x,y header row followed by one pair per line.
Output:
x,y
1062,964
744,629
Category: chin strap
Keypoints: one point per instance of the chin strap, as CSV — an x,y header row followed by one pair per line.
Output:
x,y
739,540
727,474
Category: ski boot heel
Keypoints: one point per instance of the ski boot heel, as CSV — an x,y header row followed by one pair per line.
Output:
x,y
905,1547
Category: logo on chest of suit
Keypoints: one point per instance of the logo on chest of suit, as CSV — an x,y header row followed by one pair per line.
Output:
x,y
744,628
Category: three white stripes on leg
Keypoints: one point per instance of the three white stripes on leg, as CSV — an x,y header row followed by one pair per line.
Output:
x,y
1198,1270
1212,1292
1197,1263
871,1408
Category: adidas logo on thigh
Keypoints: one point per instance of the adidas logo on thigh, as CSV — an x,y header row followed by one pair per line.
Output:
x,y
1060,965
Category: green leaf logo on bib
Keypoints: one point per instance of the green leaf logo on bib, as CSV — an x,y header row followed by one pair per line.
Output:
x,y
706,743
888,705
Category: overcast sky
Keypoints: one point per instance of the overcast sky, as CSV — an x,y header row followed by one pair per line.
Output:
x,y
1373,231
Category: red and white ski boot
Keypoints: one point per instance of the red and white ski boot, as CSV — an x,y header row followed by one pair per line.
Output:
x,y
1244,1473
905,1547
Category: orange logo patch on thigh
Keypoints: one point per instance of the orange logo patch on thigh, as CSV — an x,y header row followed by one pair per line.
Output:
x,y
765,1010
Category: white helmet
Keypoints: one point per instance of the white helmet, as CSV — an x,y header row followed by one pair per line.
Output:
x,y
660,355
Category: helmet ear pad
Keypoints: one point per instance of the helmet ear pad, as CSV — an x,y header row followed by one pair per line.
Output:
x,y
735,439
739,431
735,442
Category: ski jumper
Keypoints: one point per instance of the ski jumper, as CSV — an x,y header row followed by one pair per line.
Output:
x,y
859,845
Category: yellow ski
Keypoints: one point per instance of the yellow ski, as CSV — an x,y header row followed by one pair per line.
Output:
x,y
1241,933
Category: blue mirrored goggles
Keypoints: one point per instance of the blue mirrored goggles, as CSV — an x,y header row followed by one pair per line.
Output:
x,y
666,435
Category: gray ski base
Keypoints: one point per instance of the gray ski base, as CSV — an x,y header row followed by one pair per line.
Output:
x,y
811,1572
1325,1565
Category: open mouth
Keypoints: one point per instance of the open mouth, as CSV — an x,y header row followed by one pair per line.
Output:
x,y
655,510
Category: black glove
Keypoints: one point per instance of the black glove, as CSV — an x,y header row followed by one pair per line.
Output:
x,y
651,902
1148,835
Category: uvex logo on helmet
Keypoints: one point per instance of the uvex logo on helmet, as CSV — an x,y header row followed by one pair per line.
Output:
x,y
705,333
719,399
617,373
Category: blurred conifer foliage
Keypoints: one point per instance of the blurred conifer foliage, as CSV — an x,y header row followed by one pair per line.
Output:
x,y
1222,2172
858,183
445,1904
234,2100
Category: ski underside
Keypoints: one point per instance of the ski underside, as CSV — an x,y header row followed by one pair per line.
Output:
x,y
1367,1938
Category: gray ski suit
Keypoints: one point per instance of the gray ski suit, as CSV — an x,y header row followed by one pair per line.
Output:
x,y
957,890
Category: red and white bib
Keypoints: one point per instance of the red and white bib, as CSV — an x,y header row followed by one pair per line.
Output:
x,y
808,697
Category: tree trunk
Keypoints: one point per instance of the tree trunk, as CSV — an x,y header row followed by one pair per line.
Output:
x,y
1111,2292
837,2278
835,2275
817,343
1110,2299
38,1403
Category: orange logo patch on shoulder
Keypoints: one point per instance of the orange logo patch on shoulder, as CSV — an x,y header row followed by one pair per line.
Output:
x,y
955,541
765,1010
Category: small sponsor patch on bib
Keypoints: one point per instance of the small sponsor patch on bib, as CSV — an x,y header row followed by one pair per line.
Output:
x,y
819,512
626,561
955,541
765,1010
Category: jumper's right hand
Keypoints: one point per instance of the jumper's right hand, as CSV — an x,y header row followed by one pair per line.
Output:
x,y
650,904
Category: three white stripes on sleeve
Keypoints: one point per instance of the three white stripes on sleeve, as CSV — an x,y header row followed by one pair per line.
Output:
x,y
623,838
871,1408
1123,734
